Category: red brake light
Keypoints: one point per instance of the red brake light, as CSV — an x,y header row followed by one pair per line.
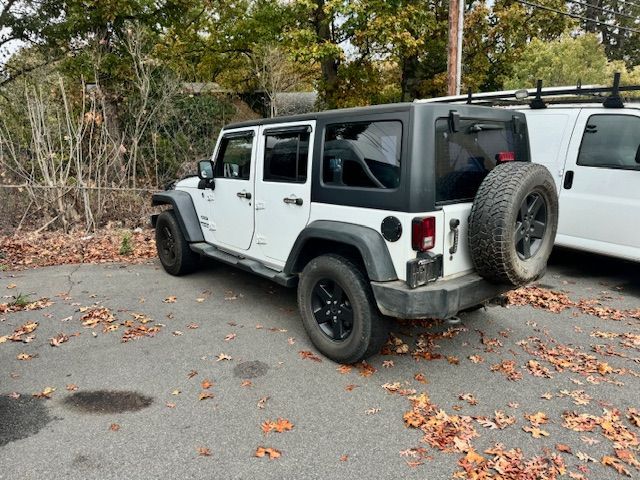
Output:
x,y
506,156
423,233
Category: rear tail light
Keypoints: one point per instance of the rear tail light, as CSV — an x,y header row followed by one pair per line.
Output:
x,y
505,157
423,233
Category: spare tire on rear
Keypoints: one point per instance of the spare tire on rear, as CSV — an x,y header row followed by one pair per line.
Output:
x,y
513,223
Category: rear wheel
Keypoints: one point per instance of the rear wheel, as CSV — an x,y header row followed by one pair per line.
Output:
x,y
338,310
173,250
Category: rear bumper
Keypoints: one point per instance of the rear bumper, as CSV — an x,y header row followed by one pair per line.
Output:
x,y
440,299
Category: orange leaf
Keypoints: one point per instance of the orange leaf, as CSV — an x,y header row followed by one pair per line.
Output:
x,y
203,451
205,395
206,384
271,452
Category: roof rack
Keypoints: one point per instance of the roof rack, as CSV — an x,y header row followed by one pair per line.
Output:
x,y
612,94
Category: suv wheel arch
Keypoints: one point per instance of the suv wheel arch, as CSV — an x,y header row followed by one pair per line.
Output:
x,y
359,243
184,211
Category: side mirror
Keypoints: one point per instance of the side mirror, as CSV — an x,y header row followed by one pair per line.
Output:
x,y
205,170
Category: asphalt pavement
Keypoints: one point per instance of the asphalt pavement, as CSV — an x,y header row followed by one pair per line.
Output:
x,y
140,409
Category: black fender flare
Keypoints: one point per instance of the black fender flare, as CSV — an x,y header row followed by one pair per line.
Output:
x,y
367,241
184,211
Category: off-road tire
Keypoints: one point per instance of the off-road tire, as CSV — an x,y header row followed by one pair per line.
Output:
x,y
178,259
370,329
494,217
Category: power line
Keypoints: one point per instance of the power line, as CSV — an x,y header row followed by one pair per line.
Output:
x,y
605,10
580,17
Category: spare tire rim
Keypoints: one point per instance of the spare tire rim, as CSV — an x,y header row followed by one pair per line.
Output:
x,y
332,309
531,225
167,245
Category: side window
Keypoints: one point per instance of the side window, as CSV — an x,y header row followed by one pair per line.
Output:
x,y
611,141
234,158
285,157
362,154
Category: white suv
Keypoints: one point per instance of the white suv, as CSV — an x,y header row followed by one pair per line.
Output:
x,y
406,210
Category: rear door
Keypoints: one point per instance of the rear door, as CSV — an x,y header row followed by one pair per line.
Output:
x,y
283,187
600,197
231,212
463,159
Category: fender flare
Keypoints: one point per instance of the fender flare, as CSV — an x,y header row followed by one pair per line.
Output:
x,y
367,241
184,211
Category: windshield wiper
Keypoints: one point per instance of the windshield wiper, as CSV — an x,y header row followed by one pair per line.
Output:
x,y
479,127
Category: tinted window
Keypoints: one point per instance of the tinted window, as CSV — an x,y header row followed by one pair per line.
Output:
x,y
234,158
610,141
285,157
363,154
465,157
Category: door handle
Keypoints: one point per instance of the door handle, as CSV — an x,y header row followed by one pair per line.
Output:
x,y
244,194
296,200
568,180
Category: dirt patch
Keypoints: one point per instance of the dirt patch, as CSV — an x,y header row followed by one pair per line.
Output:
x,y
251,369
107,401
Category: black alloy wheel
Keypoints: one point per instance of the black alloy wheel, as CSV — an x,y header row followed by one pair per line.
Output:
x,y
531,225
167,245
332,310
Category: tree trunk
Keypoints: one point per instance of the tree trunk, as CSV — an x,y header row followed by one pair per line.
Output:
x,y
328,65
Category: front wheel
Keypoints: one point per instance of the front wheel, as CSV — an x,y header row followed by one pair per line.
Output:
x,y
338,310
174,252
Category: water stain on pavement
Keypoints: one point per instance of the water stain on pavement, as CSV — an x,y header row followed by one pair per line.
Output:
x,y
252,369
21,418
107,401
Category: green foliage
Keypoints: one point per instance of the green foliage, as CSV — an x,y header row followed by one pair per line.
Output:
x,y
126,245
566,61
20,300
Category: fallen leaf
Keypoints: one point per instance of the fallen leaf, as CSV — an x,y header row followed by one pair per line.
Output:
x,y
170,299
114,427
46,393
371,411
343,369
229,337
58,340
203,451
24,356
388,364
309,355
350,387
535,431
537,419
419,377
344,458
223,356
11,286
262,402
280,425
192,374
175,392
246,383
205,395
72,387
561,447
14,395
272,453
170,405
206,384
476,358
616,465
192,326
291,340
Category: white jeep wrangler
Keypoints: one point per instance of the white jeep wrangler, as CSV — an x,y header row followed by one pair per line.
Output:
x,y
406,210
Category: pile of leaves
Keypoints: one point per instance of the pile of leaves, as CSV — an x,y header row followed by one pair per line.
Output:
x,y
133,328
556,302
56,248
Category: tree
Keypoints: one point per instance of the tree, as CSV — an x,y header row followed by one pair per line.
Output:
x,y
565,62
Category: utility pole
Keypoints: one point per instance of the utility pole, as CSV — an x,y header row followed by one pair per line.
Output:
x,y
454,53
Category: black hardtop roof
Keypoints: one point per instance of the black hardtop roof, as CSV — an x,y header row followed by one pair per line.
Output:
x,y
354,112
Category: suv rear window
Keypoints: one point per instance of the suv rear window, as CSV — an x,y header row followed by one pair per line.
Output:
x,y
465,157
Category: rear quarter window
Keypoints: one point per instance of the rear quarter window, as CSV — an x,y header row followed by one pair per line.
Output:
x,y
465,157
